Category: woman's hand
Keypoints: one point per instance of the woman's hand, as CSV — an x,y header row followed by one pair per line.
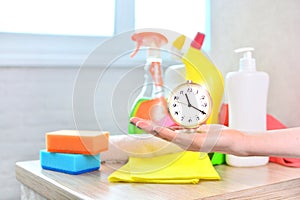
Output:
x,y
218,138
207,138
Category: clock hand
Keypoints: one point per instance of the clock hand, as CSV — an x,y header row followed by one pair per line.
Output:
x,y
182,102
190,105
204,113
187,98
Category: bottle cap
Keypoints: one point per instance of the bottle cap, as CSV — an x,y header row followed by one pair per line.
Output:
x,y
198,41
179,42
177,46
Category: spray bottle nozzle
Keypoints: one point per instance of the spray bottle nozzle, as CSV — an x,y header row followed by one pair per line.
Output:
x,y
148,39
179,42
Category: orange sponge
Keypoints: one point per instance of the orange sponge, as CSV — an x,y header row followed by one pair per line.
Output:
x,y
77,142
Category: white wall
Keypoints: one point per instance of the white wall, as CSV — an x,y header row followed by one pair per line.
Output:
x,y
272,28
34,101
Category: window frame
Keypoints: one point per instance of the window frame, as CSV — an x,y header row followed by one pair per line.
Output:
x,y
37,50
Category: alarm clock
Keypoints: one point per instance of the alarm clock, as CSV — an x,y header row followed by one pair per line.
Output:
x,y
189,105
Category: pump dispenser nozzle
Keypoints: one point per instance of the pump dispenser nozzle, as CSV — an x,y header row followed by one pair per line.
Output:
x,y
247,63
148,39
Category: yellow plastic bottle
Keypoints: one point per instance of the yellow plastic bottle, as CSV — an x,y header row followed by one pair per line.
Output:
x,y
201,70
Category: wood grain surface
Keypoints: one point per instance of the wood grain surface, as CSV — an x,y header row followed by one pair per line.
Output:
x,y
272,181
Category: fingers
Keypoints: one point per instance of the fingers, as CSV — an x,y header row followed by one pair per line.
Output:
x,y
142,124
187,141
184,140
149,127
134,120
165,133
146,126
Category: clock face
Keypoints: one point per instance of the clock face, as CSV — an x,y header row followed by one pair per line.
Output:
x,y
189,105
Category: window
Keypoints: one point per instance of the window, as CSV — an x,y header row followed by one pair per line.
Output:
x,y
186,17
29,35
58,17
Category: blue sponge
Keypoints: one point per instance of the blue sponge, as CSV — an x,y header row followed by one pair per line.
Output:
x,y
69,163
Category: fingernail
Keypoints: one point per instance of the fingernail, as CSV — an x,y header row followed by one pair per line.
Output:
x,y
139,127
157,128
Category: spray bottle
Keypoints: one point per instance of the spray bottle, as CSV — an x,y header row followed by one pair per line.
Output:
x,y
152,108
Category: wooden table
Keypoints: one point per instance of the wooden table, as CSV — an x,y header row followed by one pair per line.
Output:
x,y
266,182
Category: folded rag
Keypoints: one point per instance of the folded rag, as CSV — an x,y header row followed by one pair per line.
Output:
x,y
182,167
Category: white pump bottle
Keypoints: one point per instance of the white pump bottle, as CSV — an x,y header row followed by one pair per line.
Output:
x,y
247,92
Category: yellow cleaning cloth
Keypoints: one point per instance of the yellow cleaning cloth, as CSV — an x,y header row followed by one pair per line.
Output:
x,y
182,167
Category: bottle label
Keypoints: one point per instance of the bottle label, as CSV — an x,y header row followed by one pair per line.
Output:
x,y
155,71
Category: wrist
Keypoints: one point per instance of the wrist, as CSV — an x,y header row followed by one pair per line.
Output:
x,y
232,141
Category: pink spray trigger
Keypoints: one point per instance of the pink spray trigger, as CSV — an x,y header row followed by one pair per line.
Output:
x,y
148,39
